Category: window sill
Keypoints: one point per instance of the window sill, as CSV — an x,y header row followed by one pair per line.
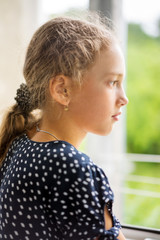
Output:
x,y
140,233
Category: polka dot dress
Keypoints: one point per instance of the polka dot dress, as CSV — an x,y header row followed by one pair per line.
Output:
x,y
52,191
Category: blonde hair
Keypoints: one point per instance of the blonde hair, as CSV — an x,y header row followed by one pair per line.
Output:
x,y
61,46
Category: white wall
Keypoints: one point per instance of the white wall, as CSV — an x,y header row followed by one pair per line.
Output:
x,y
18,21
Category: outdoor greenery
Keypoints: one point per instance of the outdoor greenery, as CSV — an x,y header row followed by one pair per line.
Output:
x,y
143,90
143,210
143,125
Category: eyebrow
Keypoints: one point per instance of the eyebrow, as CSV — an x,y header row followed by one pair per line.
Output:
x,y
114,74
119,74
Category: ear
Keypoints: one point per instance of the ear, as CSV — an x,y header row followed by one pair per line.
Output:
x,y
59,88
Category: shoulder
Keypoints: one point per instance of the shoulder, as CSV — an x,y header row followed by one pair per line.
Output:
x,y
60,149
54,154
79,167
58,158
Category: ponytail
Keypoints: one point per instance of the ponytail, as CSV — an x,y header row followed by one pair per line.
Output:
x,y
13,125
16,121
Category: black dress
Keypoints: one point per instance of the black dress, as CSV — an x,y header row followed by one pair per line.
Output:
x,y
52,191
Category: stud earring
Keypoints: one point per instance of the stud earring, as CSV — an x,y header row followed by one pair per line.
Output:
x,y
65,108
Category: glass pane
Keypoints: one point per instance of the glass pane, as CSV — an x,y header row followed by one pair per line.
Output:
x,y
142,195
142,185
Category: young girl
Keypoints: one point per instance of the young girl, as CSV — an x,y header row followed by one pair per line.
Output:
x,y
74,71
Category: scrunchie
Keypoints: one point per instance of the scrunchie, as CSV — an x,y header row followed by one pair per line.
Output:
x,y
23,98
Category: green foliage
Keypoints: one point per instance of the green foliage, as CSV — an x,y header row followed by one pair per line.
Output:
x,y
143,90
144,212
147,169
140,209
143,125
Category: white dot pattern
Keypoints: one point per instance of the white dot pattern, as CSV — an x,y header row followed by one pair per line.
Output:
x,y
52,191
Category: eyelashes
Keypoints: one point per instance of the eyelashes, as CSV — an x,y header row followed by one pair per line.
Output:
x,y
114,83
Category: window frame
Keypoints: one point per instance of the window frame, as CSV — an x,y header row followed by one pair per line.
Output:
x,y
140,233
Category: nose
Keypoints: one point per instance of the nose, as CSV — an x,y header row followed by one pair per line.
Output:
x,y
123,100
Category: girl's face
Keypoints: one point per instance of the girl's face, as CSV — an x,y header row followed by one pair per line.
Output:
x,y
97,105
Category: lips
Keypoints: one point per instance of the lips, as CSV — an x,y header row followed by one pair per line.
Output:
x,y
116,116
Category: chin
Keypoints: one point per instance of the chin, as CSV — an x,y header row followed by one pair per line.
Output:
x,y
103,132
107,133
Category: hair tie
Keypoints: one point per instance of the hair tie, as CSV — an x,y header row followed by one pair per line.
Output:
x,y
23,98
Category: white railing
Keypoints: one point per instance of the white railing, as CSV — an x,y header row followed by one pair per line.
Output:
x,y
143,157
142,179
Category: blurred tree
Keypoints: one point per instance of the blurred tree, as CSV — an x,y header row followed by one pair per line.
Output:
x,y
143,117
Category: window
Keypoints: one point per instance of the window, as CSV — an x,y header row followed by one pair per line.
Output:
x,y
142,184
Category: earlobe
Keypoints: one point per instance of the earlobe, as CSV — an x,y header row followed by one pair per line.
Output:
x,y
59,89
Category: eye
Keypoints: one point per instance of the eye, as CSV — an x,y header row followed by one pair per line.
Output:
x,y
114,83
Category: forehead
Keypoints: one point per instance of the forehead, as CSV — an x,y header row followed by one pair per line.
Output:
x,y
109,62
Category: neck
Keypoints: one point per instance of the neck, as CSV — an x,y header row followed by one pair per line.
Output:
x,y
62,129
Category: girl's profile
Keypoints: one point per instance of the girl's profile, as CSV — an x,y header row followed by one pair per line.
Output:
x,y
74,71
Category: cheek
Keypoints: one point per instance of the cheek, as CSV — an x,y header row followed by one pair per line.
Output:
x,y
92,106
92,112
